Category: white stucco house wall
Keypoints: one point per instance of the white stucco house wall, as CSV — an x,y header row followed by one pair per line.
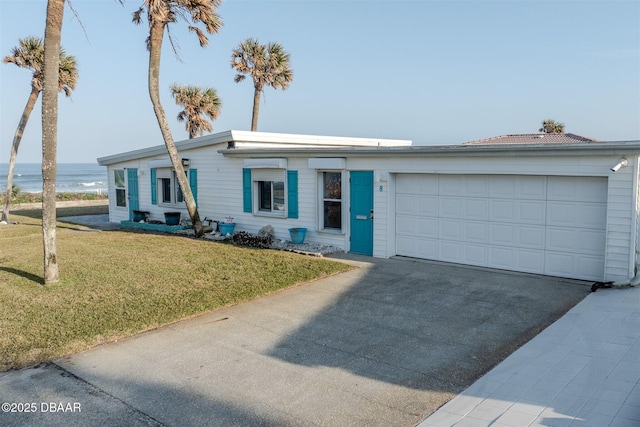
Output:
x,y
547,208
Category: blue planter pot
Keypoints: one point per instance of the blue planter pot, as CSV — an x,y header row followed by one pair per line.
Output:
x,y
172,218
140,215
226,228
297,235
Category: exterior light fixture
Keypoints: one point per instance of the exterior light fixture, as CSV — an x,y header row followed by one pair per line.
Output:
x,y
621,164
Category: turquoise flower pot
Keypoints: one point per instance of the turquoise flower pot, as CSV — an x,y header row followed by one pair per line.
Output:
x,y
297,235
226,228
172,218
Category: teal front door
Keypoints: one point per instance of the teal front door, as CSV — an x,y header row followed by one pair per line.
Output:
x,y
132,190
361,212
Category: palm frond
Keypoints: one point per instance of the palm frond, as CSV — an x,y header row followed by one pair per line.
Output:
x,y
194,12
29,54
197,102
268,65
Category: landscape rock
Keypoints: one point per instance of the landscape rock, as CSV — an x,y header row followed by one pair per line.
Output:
x,y
310,248
267,231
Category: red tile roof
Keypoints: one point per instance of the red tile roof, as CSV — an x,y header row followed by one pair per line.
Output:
x,y
535,138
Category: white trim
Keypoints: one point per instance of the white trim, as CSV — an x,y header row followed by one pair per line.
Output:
x,y
634,249
313,140
265,163
613,148
124,187
273,176
235,138
344,217
168,173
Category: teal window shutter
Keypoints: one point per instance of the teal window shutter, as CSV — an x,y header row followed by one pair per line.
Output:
x,y
246,190
292,194
193,183
154,193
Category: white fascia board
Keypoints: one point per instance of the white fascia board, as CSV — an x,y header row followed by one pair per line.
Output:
x,y
498,150
250,138
255,140
157,150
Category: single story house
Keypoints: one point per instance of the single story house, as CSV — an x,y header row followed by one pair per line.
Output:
x,y
562,208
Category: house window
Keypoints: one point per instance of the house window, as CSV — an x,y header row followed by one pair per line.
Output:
x,y
268,192
169,191
179,195
266,189
271,196
121,193
331,193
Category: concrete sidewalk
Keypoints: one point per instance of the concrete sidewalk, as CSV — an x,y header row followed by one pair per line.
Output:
x,y
96,222
584,370
385,344
60,204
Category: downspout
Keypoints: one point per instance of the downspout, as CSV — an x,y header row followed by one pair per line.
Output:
x,y
635,250
635,281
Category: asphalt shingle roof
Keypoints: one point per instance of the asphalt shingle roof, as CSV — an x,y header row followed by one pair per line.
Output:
x,y
535,138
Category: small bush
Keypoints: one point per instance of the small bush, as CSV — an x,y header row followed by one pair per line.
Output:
x,y
19,197
242,238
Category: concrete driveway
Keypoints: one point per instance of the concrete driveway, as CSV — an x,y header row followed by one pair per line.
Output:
x,y
384,344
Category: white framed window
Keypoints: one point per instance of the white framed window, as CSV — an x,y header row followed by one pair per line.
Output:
x,y
269,192
332,212
168,188
121,191
271,196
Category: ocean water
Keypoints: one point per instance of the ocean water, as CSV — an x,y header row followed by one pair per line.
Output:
x,y
71,178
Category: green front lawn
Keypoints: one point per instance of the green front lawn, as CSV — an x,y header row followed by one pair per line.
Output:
x,y
117,284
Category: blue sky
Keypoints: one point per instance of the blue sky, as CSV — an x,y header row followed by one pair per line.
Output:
x,y
434,72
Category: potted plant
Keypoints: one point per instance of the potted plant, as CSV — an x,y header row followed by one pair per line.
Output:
x,y
297,235
172,218
227,226
139,216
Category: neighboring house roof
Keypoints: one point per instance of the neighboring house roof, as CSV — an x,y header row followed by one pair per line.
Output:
x,y
535,138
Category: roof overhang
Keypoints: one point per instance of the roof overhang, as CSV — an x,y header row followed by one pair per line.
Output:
x,y
159,150
615,148
234,139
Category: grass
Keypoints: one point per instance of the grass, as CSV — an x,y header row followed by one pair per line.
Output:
x,y
117,284
21,197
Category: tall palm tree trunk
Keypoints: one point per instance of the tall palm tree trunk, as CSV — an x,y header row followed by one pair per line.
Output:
x,y
256,109
156,34
17,137
52,35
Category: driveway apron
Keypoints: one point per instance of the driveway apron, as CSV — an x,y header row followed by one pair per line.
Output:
x,y
384,344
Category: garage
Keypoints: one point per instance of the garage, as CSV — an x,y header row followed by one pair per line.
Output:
x,y
552,225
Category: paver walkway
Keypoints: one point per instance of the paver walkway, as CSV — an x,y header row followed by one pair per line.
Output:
x,y
584,370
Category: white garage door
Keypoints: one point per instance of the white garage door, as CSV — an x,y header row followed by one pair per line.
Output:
x,y
550,225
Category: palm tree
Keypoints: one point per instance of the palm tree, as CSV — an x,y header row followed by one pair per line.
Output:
x,y
161,13
51,65
196,102
268,65
30,54
551,126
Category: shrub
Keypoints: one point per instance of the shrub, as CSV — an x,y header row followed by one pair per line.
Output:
x,y
242,238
